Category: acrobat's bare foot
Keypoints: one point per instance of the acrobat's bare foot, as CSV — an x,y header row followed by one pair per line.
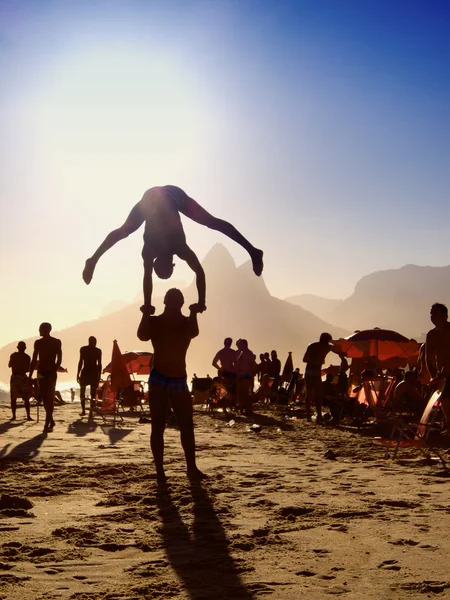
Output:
x,y
196,475
88,271
257,261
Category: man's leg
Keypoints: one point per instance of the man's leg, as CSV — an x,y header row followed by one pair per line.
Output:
x,y
26,399
197,213
82,399
158,398
184,413
93,388
309,397
318,395
13,406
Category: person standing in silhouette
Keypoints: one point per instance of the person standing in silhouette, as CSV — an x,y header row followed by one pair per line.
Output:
x,y
48,352
314,358
164,237
246,369
171,333
19,386
227,359
437,354
89,372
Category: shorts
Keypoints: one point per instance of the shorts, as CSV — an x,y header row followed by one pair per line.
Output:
x,y
171,384
20,387
89,379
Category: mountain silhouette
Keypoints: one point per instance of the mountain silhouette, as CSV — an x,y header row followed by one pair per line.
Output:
x,y
239,305
398,299
321,307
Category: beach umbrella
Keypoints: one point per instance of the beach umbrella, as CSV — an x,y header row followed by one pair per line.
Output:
x,y
120,377
287,369
138,362
381,344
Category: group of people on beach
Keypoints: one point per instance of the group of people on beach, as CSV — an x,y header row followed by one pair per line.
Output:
x,y
171,332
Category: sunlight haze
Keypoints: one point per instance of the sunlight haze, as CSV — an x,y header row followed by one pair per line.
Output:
x,y
321,130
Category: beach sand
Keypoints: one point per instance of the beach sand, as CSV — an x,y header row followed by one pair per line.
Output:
x,y
274,519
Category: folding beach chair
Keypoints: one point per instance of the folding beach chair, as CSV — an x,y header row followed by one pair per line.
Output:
x,y
410,435
201,390
109,405
376,395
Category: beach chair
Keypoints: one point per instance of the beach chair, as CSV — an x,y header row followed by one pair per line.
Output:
x,y
376,395
108,406
201,390
410,435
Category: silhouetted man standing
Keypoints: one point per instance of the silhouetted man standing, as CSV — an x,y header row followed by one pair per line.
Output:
x,y
227,359
89,372
171,333
19,362
164,237
437,352
314,358
49,353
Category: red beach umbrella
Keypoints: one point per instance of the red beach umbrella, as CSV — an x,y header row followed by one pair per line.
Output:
x,y
136,362
382,344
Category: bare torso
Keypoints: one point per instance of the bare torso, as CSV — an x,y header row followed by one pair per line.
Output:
x,y
19,363
438,350
48,350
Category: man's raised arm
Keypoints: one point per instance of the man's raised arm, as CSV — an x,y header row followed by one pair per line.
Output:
x,y
191,258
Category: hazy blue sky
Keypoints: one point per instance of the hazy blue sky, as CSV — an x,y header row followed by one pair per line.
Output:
x,y
320,128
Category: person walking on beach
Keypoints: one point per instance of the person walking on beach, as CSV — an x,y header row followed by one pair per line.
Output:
x,y
437,355
164,237
314,358
48,351
19,363
171,333
89,372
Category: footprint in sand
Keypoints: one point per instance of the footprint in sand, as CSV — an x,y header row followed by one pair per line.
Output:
x,y
338,527
404,542
389,565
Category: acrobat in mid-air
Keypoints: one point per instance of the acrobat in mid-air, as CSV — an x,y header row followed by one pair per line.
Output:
x,y
164,237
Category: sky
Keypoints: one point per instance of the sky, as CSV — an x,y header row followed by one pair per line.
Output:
x,y
320,129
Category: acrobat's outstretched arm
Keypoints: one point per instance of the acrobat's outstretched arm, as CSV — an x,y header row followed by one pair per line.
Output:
x,y
133,222
191,258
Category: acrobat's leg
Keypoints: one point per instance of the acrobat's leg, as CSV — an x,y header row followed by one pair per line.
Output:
x,y
190,208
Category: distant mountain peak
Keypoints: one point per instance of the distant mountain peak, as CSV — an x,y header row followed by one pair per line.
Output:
x,y
218,258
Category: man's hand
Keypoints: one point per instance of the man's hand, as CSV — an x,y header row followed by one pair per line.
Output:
x,y
147,309
197,308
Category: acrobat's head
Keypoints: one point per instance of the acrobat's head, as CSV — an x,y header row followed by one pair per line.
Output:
x,y
21,346
163,265
92,341
173,300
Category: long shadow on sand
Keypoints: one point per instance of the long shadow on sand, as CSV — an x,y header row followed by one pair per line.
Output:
x,y
27,450
202,561
9,425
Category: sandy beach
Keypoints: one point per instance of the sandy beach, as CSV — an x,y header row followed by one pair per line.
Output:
x,y
274,519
